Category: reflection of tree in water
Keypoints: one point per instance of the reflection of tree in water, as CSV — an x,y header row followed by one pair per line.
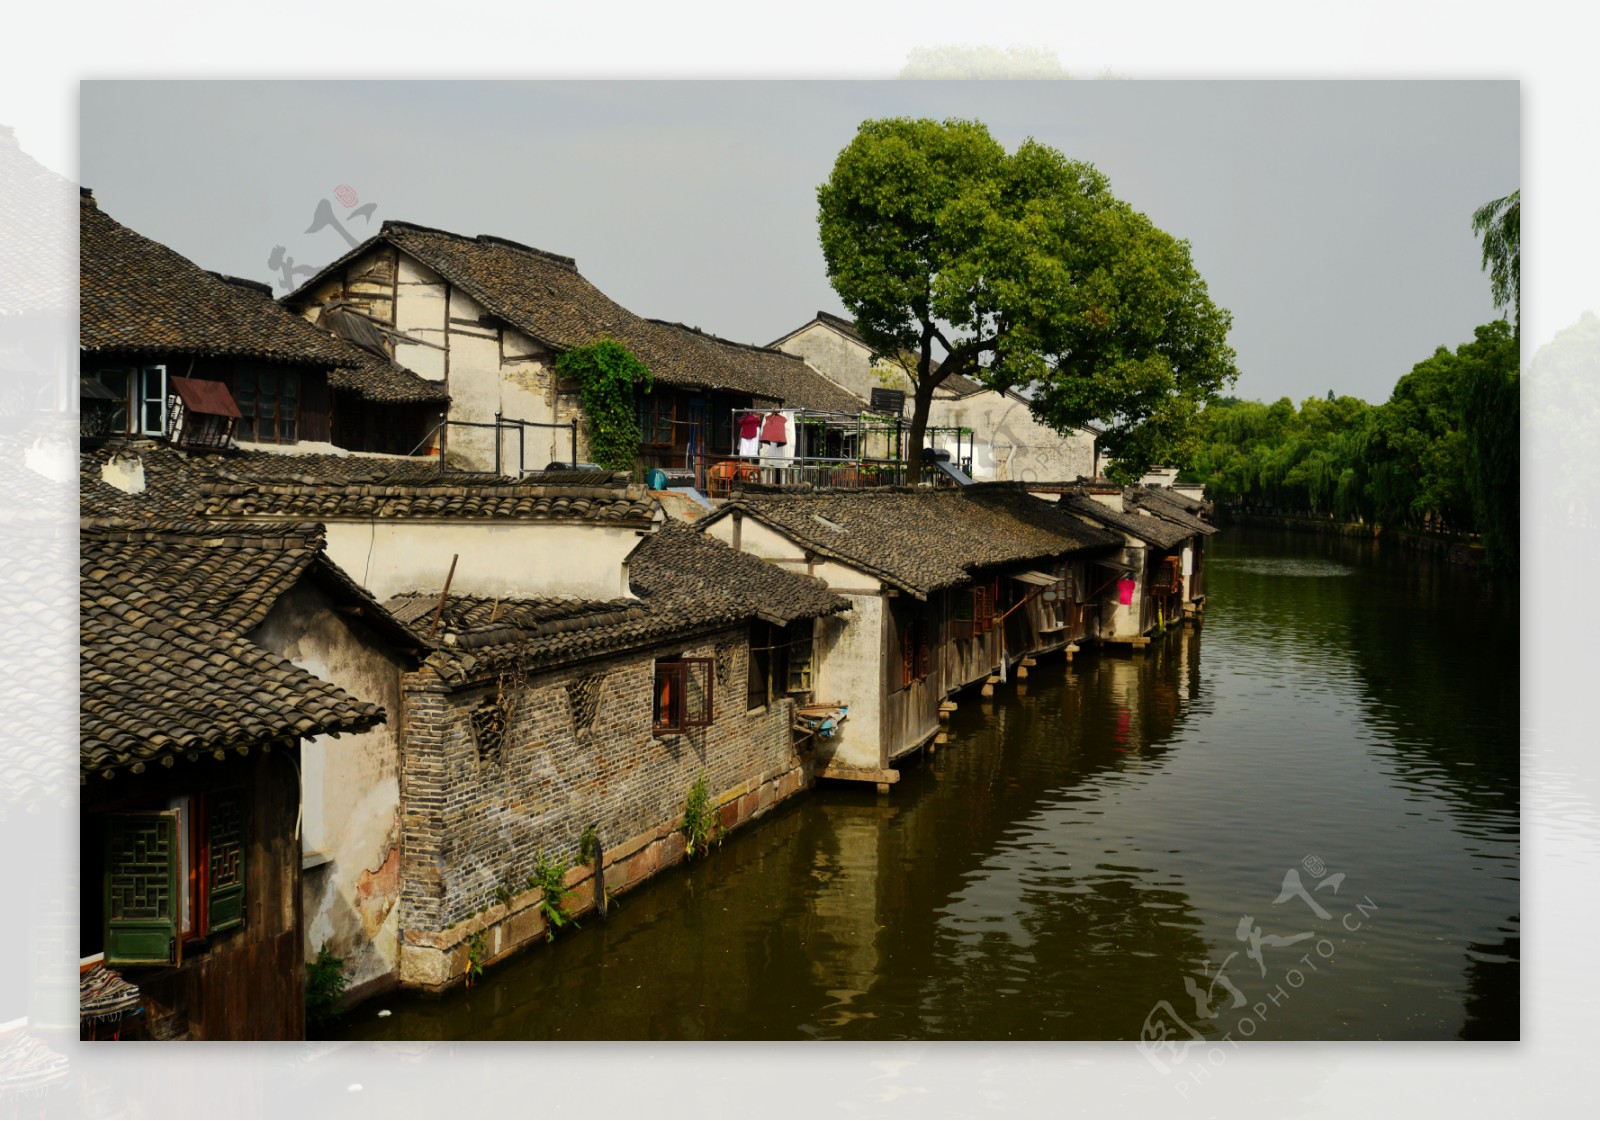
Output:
x,y
1438,655
1432,649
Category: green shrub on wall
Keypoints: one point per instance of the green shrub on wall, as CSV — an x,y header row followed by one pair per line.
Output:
x,y
608,378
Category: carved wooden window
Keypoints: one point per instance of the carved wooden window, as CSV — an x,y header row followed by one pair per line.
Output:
x,y
683,694
961,616
173,874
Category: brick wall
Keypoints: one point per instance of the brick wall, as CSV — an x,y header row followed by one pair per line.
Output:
x,y
476,821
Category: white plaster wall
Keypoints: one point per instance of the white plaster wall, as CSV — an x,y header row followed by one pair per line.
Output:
x,y
421,307
497,557
1010,445
1123,622
760,541
850,670
349,897
842,361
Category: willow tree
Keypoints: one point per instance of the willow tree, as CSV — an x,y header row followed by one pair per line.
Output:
x,y
1021,269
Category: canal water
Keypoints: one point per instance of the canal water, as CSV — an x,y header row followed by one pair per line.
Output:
x,y
1296,821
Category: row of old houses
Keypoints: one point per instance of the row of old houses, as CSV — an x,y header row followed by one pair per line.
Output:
x,y
368,654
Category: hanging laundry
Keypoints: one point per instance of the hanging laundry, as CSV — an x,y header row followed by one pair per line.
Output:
x,y
775,429
750,434
1125,588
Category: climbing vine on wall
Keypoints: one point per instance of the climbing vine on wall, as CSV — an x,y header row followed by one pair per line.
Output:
x,y
608,378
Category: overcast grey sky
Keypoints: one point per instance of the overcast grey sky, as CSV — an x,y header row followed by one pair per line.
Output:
x,y
1331,218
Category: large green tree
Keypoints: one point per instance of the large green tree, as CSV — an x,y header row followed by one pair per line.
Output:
x,y
1021,269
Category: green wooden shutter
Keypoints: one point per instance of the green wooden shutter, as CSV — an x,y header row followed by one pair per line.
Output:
x,y
142,888
225,847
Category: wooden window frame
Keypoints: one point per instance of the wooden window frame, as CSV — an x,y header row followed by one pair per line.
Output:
x,y
204,878
247,394
144,401
916,656
670,713
983,605
657,412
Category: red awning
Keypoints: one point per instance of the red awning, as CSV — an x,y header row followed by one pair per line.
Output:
x,y
202,397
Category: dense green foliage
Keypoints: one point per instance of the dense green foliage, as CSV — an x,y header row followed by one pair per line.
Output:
x,y
609,378
1441,453
1021,269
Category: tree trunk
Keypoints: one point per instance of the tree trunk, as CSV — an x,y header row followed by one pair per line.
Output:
x,y
921,401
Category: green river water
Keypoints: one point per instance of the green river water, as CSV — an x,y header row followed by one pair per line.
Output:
x,y
1107,851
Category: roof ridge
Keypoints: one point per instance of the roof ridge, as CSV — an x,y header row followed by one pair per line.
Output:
x,y
399,225
725,342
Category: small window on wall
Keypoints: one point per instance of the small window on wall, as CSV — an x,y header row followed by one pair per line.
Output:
x,y
269,406
961,615
983,599
682,695
801,638
173,875
916,658
153,401
120,383
655,418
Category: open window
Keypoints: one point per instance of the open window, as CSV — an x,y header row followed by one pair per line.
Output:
x,y
173,875
136,400
682,695
916,656
780,660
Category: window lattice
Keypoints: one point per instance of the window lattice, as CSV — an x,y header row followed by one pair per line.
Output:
x,y
141,879
227,842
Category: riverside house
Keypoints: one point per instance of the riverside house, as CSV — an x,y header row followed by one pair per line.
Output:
x,y
1006,442
484,318
565,658
158,334
947,587
553,738
1163,554
190,752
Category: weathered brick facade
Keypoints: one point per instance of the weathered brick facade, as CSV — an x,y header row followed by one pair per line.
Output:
x,y
476,821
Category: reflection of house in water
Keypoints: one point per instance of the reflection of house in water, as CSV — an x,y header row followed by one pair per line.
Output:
x,y
1010,873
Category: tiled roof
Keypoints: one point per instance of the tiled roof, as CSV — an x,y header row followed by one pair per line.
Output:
x,y
437,499
164,669
921,539
152,687
1164,499
229,575
1163,527
379,379
959,385
544,296
138,296
687,584
699,575
234,484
